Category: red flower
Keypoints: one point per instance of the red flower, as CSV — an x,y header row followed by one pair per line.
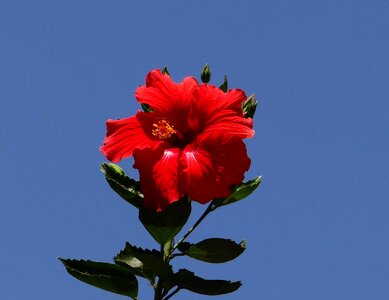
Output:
x,y
190,144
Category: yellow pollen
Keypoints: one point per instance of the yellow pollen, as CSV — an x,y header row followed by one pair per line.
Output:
x,y
163,130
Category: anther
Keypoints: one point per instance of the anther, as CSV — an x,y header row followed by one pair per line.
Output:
x,y
163,130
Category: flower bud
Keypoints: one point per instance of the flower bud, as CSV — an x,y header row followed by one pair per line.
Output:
x,y
224,85
206,74
165,71
249,106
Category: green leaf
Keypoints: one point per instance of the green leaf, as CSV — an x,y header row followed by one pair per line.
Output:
x,y
127,188
224,85
206,74
165,225
214,250
249,107
240,192
109,277
188,280
145,263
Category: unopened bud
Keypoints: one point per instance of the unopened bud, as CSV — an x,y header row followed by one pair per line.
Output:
x,y
165,71
206,74
249,107
224,85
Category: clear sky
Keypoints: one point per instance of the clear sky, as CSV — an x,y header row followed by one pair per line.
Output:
x,y
317,228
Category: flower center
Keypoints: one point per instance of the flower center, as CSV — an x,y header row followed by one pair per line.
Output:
x,y
163,130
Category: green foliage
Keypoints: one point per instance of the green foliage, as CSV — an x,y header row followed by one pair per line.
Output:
x,y
127,188
249,107
145,263
224,85
163,226
188,280
109,277
206,74
240,192
213,250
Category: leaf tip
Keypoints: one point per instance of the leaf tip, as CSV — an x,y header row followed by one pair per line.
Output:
x,y
243,244
103,167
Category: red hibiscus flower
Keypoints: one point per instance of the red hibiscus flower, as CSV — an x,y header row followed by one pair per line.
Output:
x,y
189,144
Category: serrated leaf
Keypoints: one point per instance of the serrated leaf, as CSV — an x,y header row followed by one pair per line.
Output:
x,y
163,226
213,250
109,277
188,280
240,192
249,107
127,188
144,262
224,85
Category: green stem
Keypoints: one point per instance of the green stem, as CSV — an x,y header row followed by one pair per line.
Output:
x,y
172,293
166,250
209,209
158,291
165,253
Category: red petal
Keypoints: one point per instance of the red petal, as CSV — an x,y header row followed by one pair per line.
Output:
x,y
126,135
213,163
159,176
164,95
213,100
228,123
223,111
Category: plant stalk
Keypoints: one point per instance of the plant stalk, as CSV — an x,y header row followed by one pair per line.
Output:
x,y
209,209
165,253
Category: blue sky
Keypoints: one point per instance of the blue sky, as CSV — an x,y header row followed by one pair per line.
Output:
x,y
317,228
